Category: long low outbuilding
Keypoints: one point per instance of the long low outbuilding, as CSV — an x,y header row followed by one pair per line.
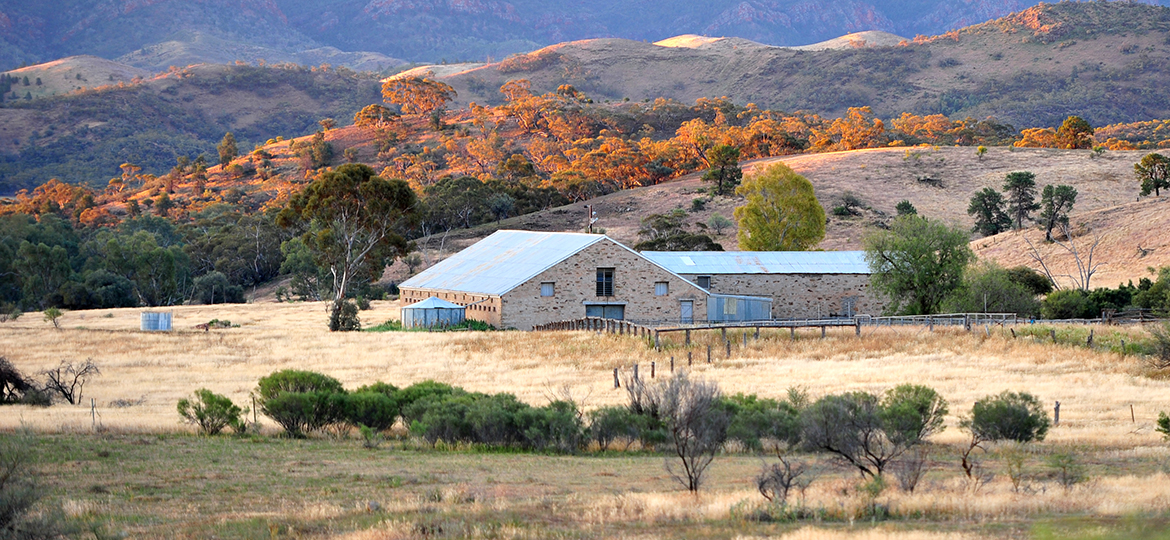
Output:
x,y
521,279
801,284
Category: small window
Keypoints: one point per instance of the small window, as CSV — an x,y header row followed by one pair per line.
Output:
x,y
661,288
705,282
605,282
547,288
730,306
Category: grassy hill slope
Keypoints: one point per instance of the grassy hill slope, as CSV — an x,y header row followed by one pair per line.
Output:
x,y
883,177
83,137
1098,60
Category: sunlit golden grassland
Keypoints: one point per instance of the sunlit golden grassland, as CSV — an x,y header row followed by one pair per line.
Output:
x,y
142,472
152,371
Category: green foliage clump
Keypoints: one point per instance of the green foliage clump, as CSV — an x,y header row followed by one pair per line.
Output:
x,y
1163,426
989,288
754,420
780,213
344,316
300,401
917,263
211,412
1067,304
1009,416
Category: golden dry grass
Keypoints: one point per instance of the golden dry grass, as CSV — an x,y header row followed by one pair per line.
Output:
x,y
154,370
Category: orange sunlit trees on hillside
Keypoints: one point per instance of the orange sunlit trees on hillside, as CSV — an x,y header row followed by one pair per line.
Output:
x,y
418,95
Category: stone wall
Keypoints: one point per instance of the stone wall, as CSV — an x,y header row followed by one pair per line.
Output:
x,y
803,295
575,285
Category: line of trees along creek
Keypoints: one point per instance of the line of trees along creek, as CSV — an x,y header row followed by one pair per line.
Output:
x,y
686,418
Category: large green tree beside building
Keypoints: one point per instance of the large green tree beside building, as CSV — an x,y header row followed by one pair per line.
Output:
x,y
917,263
781,212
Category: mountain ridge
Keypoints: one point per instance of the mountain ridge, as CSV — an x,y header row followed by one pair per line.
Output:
x,y
455,30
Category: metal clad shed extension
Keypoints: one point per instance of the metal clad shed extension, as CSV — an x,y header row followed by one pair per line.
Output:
x,y
432,312
760,262
501,262
733,308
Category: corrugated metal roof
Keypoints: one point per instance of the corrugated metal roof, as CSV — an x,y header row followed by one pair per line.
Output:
x,y
761,262
432,303
501,262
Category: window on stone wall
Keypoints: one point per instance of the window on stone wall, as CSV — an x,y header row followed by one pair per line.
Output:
x,y
547,288
704,282
661,288
605,282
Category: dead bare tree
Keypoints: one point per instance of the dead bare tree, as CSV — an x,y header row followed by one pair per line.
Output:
x,y
777,479
1085,266
68,380
696,424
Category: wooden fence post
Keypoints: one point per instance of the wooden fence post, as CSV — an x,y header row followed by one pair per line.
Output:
x,y
708,354
1056,414
1053,335
745,340
690,359
724,332
635,372
1132,419
857,326
672,364
1089,343
688,338
728,343
822,332
757,333
792,332
930,323
652,364
616,382
657,344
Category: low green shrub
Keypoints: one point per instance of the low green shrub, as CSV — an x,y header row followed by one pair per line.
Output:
x,y
1008,416
211,412
374,410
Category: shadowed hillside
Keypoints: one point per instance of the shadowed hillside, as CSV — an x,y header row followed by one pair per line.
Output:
x,y
1098,60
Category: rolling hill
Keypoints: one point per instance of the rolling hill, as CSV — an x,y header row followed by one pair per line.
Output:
x,y
881,178
1099,60
84,136
158,33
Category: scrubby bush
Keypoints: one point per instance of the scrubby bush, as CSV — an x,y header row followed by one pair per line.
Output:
x,y
989,288
344,316
608,425
1163,425
211,412
302,412
1008,416
374,410
870,432
292,380
300,401
754,420
1067,304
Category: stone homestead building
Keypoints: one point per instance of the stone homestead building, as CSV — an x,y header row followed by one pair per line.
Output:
x,y
519,279
801,284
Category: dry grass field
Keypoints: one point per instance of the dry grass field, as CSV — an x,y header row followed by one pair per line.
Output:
x,y
143,473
